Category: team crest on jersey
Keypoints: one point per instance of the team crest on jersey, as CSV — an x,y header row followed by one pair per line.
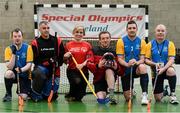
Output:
x,y
75,49
78,49
137,46
84,49
23,55
165,49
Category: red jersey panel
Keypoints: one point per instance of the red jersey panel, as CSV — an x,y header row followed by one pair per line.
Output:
x,y
80,50
99,73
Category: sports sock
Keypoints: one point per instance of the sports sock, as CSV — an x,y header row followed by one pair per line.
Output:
x,y
111,93
172,83
8,85
144,82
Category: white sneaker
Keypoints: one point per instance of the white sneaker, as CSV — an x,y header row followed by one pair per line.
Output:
x,y
134,94
173,99
144,100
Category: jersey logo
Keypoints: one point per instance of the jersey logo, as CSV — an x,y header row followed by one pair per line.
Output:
x,y
84,49
165,49
137,46
78,49
23,55
58,41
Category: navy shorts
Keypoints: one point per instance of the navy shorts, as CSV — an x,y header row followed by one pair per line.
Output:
x,y
125,80
102,85
160,81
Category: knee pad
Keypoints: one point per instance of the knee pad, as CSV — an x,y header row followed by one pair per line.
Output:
x,y
39,75
48,86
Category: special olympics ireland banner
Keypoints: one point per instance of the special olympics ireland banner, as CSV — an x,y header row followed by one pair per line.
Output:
x,y
114,20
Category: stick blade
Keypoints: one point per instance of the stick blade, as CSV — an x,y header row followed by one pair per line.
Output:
x,y
129,103
20,101
20,108
50,96
149,107
103,101
129,106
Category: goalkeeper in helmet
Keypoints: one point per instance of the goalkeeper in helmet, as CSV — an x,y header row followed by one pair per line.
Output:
x,y
105,67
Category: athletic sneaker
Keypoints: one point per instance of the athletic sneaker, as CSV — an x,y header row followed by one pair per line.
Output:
x,y
144,100
7,98
134,93
173,99
55,96
67,95
113,101
69,98
166,91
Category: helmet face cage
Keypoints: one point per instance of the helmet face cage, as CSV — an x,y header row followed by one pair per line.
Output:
x,y
109,57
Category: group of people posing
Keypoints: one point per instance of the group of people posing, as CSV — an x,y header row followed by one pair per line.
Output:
x,y
128,59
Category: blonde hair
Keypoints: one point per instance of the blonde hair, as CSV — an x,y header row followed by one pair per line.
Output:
x,y
78,27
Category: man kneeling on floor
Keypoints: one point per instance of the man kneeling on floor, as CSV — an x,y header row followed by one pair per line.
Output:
x,y
48,57
18,57
105,68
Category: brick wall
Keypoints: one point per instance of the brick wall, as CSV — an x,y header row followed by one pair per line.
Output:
x,y
160,11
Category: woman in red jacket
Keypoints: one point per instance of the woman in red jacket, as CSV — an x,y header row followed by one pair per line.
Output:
x,y
82,52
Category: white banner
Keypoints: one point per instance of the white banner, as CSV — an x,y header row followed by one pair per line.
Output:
x,y
114,20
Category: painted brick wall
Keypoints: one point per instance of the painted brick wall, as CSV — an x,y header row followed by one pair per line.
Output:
x,y
160,11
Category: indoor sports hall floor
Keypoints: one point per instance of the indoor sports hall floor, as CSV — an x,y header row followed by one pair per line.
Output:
x,y
89,104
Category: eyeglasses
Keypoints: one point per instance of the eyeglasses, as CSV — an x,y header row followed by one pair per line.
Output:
x,y
45,28
80,32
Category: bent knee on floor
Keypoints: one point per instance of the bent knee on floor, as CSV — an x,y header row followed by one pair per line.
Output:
x,y
9,74
127,95
170,71
158,97
142,68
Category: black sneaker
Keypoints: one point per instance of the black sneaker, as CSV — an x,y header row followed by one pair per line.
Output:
x,y
7,98
70,99
166,92
55,96
67,95
113,101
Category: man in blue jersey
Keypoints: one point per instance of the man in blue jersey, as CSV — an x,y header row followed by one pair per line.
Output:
x,y
18,58
160,55
131,50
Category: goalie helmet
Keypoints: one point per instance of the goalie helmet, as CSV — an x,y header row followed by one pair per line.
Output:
x,y
109,57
